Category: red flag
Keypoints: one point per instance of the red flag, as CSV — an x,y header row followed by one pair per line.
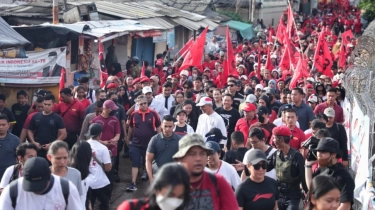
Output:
x,y
290,23
342,58
280,34
347,37
103,75
62,80
143,72
284,62
186,47
269,65
299,72
292,53
270,36
259,60
224,75
195,53
230,58
322,57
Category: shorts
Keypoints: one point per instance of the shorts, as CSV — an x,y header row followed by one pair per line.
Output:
x,y
137,156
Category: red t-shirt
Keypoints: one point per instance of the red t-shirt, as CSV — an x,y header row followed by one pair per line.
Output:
x,y
110,127
73,115
339,112
127,206
85,102
243,125
204,193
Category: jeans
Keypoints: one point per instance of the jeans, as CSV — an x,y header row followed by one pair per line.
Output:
x,y
288,204
103,195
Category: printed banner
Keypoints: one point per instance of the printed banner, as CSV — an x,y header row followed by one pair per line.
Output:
x,y
38,68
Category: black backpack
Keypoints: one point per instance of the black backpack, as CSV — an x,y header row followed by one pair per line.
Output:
x,y
13,191
16,172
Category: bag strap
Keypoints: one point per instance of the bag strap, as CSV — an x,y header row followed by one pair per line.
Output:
x,y
13,193
15,174
268,150
214,181
65,190
66,111
97,161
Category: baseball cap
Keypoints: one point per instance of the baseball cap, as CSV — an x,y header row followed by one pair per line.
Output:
x,y
322,76
136,80
329,144
184,72
146,89
251,98
310,79
241,66
204,101
109,104
269,90
248,91
145,79
189,141
243,77
36,174
214,146
112,86
258,86
313,99
309,86
249,107
254,156
262,110
94,130
180,111
42,92
285,107
217,133
165,68
281,131
329,112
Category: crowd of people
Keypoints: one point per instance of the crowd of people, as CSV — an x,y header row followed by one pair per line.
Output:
x,y
256,141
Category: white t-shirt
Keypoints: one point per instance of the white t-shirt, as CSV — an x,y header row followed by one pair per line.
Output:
x,y
53,200
270,174
102,154
228,172
86,183
158,107
279,122
207,122
7,175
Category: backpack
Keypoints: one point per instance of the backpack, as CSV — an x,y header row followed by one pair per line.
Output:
x,y
16,172
13,191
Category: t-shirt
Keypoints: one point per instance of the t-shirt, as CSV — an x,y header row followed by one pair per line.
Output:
x,y
20,114
28,119
111,127
271,173
204,195
207,122
163,148
260,196
46,127
230,119
53,199
8,152
9,114
72,114
74,176
102,154
232,155
228,172
339,112
338,132
7,176
243,125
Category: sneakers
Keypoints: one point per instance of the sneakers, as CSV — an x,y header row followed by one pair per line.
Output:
x,y
144,176
132,187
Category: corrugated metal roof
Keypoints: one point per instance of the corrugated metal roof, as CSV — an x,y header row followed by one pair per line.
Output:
x,y
196,6
171,11
158,21
195,25
130,10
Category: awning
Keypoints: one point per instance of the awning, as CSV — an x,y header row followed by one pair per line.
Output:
x,y
159,22
9,37
245,29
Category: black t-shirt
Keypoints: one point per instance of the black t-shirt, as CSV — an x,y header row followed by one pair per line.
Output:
x,y
230,119
20,114
260,196
238,98
8,113
232,155
338,132
342,176
181,131
46,127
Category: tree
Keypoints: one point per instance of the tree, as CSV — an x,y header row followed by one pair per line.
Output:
x,y
369,7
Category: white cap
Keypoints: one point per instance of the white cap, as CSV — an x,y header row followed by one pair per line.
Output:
x,y
251,98
221,53
259,86
169,77
251,56
184,72
264,57
310,79
243,77
273,56
146,89
241,66
256,64
204,101
313,99
165,68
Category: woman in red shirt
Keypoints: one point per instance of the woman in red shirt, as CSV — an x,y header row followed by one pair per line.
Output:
x,y
170,189
81,96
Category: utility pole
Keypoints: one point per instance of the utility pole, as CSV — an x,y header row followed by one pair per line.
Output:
x,y
55,12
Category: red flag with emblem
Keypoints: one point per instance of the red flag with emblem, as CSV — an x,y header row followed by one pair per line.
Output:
x,y
292,53
299,72
269,65
280,34
143,71
347,37
290,23
322,57
194,55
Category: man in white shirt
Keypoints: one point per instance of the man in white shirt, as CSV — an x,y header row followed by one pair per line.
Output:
x,y
39,189
209,119
217,166
213,46
281,121
100,163
166,98
155,105
23,152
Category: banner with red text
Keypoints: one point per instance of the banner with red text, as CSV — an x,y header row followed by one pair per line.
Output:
x,y
38,68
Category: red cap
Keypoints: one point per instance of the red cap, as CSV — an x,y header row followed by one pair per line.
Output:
x,y
112,86
145,79
309,86
281,79
249,107
335,84
136,80
159,62
252,74
281,131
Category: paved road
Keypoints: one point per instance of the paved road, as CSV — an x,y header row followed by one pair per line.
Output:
x,y
119,193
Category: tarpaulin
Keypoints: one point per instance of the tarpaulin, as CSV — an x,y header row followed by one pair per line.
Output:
x,y
9,37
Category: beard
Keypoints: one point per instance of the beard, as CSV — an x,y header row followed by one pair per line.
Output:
x,y
197,173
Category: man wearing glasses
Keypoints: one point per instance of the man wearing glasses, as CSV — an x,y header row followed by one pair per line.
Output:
x,y
144,123
232,88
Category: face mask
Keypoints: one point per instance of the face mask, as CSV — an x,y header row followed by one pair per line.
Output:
x,y
195,75
112,113
169,72
261,119
324,162
102,99
115,100
167,203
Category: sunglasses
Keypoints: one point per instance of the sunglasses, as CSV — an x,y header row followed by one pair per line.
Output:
x,y
260,165
231,85
185,87
142,104
211,91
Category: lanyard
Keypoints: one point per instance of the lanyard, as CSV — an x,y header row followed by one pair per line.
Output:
x,y
219,167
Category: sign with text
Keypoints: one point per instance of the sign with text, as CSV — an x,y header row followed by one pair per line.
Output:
x,y
42,67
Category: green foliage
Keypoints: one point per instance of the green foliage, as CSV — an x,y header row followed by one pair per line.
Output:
x,y
234,16
369,7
